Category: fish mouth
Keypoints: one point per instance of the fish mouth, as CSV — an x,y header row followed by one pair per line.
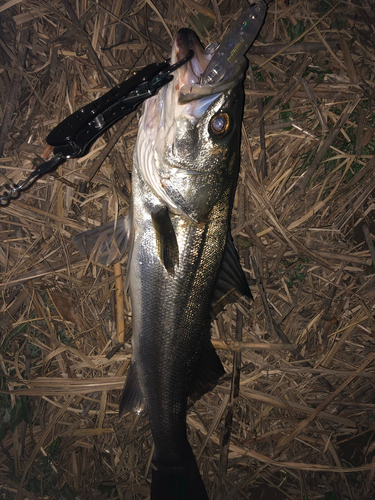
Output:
x,y
189,83
191,72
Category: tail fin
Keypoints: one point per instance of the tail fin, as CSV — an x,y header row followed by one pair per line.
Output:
x,y
177,483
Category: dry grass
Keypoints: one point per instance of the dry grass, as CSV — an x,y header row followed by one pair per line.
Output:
x,y
294,417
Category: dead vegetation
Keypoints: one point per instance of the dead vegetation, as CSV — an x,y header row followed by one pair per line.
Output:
x,y
294,416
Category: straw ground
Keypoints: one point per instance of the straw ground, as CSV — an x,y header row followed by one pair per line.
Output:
x,y
294,416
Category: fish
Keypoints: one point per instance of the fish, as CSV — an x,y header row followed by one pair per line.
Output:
x,y
182,262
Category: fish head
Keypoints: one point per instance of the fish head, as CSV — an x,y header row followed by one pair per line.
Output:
x,y
188,149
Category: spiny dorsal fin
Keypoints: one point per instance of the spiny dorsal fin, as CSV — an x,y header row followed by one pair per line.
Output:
x,y
231,283
107,242
166,241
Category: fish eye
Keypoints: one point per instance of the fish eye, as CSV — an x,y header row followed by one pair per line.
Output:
x,y
220,124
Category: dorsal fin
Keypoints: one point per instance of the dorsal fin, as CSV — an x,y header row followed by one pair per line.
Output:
x,y
107,242
166,241
231,283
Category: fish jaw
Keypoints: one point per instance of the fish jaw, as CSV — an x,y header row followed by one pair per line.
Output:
x,y
190,72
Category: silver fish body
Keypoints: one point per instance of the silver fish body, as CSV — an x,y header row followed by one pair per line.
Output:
x,y
185,171
172,293
184,180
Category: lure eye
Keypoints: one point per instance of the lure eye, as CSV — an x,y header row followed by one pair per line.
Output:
x,y
220,124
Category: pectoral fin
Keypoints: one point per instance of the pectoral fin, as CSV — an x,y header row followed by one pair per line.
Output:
x,y
166,241
231,283
105,243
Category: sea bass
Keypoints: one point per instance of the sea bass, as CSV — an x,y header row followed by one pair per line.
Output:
x,y
186,164
182,258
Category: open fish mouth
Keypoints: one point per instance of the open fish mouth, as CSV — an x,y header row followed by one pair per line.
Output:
x,y
189,83
192,71
219,67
